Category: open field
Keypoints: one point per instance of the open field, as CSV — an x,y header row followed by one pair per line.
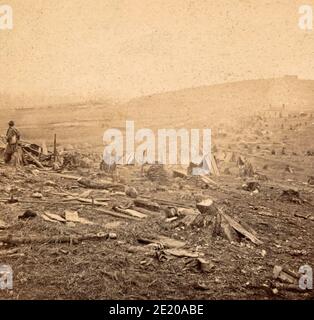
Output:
x,y
122,267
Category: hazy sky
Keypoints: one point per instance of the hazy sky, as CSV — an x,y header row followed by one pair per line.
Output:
x,y
136,47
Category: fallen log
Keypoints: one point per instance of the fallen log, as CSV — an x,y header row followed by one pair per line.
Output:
x,y
285,275
130,212
54,216
237,227
116,214
53,239
146,204
33,159
164,241
172,203
61,175
289,287
100,184
70,201
299,215
208,180
90,201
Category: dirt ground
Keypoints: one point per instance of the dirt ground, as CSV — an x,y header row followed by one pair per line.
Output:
x,y
121,267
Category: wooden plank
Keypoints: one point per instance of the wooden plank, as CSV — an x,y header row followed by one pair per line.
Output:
x,y
34,159
130,212
214,166
116,214
53,239
54,217
208,180
165,241
235,225
136,214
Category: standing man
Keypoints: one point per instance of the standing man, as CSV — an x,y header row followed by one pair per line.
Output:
x,y
13,136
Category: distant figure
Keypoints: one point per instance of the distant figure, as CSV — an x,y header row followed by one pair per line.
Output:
x,y
12,151
109,164
283,151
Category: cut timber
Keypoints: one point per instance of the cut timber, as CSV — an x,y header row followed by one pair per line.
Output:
x,y
188,219
53,239
135,213
284,275
222,224
130,212
165,241
55,148
207,166
34,159
89,201
171,243
204,219
55,217
100,184
173,203
207,207
116,214
212,166
93,201
289,287
64,176
237,226
66,201
72,216
179,174
208,180
182,253
223,228
149,205
299,215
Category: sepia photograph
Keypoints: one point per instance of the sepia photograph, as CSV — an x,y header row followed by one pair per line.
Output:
x,y
156,150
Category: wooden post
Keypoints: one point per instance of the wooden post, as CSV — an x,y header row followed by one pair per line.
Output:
x,y
55,148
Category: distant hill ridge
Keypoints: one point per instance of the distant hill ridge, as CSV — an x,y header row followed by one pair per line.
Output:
x,y
247,95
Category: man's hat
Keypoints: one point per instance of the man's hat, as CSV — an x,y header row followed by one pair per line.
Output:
x,y
11,123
